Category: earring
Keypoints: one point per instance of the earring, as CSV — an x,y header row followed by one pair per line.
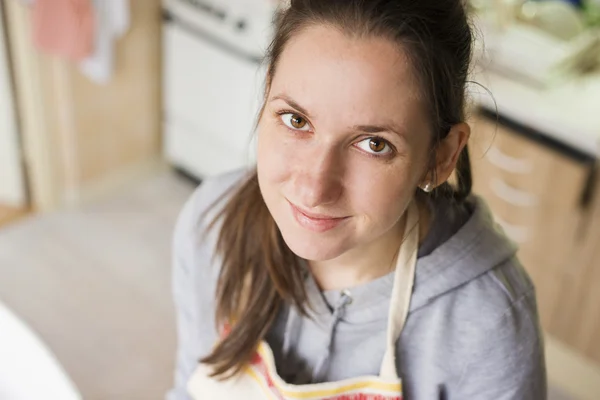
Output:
x,y
428,188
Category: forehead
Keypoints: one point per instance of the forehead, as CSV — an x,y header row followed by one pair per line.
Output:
x,y
321,67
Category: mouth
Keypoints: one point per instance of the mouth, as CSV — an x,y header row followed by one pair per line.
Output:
x,y
315,222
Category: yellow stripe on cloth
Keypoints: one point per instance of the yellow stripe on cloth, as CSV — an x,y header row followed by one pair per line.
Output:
x,y
260,380
373,385
377,388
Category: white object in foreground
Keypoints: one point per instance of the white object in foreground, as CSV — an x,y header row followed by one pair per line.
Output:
x,y
28,370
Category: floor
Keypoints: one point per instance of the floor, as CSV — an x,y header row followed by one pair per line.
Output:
x,y
95,284
10,214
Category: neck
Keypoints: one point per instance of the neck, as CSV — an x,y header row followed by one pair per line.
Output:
x,y
368,262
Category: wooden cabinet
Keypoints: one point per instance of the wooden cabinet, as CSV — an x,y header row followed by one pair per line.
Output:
x,y
537,192
577,317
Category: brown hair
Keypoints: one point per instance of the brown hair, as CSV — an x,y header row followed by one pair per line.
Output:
x,y
258,270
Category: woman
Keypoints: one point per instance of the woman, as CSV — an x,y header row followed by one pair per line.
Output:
x,y
345,266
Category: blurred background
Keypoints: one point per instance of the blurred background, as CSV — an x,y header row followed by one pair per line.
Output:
x,y
112,111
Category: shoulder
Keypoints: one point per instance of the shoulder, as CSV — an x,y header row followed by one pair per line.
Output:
x,y
195,268
503,346
498,307
500,345
504,289
503,317
501,300
482,340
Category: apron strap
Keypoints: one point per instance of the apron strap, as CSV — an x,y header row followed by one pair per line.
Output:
x,y
401,293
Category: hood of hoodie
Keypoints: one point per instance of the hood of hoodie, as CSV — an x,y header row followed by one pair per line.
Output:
x,y
477,247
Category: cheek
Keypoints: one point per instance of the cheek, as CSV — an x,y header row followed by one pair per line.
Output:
x,y
274,157
381,194
267,154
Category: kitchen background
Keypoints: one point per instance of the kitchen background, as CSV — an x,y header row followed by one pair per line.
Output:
x,y
111,111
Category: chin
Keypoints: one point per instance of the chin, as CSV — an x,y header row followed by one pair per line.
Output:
x,y
313,246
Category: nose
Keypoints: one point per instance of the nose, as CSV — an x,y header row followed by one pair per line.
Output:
x,y
319,178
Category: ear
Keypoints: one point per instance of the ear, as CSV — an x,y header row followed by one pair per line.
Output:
x,y
447,154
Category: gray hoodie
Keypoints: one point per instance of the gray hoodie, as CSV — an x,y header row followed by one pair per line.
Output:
x,y
472,331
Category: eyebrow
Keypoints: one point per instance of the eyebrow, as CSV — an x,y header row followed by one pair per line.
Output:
x,y
378,128
360,128
292,104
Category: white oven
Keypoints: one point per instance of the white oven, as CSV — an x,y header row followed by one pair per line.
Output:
x,y
213,80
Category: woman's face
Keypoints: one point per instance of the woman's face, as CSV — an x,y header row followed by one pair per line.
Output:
x,y
343,142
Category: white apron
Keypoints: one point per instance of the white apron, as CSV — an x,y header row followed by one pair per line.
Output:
x,y
259,380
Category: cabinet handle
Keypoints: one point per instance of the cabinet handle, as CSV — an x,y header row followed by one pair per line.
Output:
x,y
512,195
508,163
520,234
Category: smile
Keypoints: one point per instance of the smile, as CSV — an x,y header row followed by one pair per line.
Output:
x,y
315,222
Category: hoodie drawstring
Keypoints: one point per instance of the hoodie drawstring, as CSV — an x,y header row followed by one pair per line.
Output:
x,y
338,313
292,330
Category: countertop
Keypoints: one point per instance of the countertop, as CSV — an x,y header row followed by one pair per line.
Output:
x,y
568,112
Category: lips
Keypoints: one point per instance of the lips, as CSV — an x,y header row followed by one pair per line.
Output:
x,y
315,222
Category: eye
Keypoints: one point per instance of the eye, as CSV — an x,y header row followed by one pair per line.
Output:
x,y
374,145
295,122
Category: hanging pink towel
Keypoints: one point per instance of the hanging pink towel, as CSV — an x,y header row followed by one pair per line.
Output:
x,y
64,27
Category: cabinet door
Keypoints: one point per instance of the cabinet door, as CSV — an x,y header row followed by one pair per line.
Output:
x,y
534,193
12,183
577,318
